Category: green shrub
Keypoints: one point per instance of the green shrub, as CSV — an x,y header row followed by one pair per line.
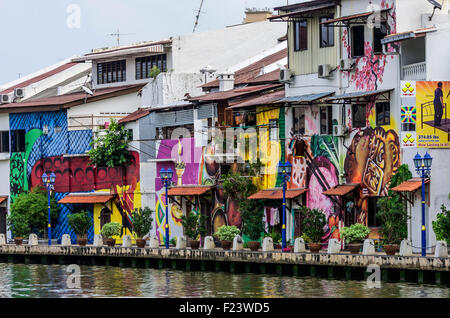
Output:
x,y
80,222
154,72
313,223
306,238
19,225
355,233
173,240
252,217
227,233
441,226
194,225
142,221
394,219
111,229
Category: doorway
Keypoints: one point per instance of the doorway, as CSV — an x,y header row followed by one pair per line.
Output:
x,y
3,220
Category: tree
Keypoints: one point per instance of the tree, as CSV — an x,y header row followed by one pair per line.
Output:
x,y
111,149
252,212
142,221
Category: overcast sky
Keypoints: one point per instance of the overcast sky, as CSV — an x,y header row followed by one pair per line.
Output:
x,y
36,33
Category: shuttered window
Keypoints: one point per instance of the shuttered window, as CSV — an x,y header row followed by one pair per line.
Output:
x,y
111,72
145,64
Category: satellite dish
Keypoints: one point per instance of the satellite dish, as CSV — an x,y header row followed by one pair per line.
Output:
x,y
435,4
87,90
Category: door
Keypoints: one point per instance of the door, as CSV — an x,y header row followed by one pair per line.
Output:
x,y
3,220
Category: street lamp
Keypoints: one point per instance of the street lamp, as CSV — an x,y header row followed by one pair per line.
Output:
x,y
284,169
423,168
49,183
166,177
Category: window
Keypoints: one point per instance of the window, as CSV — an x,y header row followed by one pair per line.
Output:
x,y
145,64
111,72
408,127
18,140
378,34
166,132
358,115
273,126
299,120
358,41
372,212
326,114
300,35
383,113
326,33
4,141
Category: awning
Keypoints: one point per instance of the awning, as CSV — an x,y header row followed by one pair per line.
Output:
x,y
189,190
271,98
360,18
277,194
86,198
301,9
410,185
341,189
397,37
309,98
360,96
3,199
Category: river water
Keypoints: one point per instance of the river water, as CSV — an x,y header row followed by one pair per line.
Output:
x,y
50,281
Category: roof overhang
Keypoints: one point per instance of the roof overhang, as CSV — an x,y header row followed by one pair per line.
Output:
x,y
302,10
398,37
194,190
410,185
87,198
342,189
364,97
266,99
277,194
306,99
360,18
3,199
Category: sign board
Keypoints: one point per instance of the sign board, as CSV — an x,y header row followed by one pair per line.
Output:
x,y
407,89
408,139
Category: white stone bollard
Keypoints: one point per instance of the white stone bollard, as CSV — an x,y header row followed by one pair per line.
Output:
x,y
98,240
334,246
405,248
441,249
181,242
65,240
299,245
368,247
267,245
2,239
154,243
208,244
238,243
126,241
33,240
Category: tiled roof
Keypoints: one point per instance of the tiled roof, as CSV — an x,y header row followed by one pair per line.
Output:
x,y
252,71
69,100
141,112
189,190
39,78
270,98
3,199
341,189
234,92
277,194
410,185
88,198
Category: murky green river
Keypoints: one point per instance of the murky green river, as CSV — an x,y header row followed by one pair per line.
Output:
x,y
17,280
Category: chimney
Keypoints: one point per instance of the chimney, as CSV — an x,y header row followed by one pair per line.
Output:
x,y
256,15
226,81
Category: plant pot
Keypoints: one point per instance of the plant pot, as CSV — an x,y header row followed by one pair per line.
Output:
x,y
391,249
314,247
194,244
141,243
82,241
254,245
110,242
226,245
354,248
18,240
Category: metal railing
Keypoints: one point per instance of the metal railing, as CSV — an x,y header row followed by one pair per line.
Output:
x,y
415,72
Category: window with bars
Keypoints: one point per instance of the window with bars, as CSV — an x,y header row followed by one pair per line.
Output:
x,y
111,72
167,132
273,129
326,33
301,35
4,141
383,113
18,140
326,117
145,64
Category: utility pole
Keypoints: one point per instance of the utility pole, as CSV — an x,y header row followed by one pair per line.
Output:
x,y
198,16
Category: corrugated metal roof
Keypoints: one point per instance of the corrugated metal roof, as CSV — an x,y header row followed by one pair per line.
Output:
x,y
87,198
358,94
189,190
234,92
304,4
306,98
397,37
410,185
141,112
270,98
277,194
341,189
352,17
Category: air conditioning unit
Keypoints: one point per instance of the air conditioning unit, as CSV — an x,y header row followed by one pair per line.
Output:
x,y
285,75
339,131
19,93
5,99
347,64
324,70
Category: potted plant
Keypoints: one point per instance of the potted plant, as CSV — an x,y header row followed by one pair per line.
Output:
x,y
252,218
354,235
142,224
226,235
19,226
194,226
313,223
394,219
109,230
80,224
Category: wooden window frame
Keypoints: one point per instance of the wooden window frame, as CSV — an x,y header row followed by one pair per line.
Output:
x,y
297,36
329,30
386,118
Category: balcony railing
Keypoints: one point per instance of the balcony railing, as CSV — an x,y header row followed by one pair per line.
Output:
x,y
415,72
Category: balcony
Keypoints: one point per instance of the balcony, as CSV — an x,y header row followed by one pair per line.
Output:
x,y
415,72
